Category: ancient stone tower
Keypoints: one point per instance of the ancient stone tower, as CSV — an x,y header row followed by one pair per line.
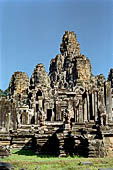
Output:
x,y
65,112
70,67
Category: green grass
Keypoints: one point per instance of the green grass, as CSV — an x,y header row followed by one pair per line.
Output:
x,y
27,159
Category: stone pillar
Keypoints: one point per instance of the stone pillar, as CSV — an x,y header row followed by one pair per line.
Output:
x,y
52,118
85,110
19,117
93,109
80,109
8,121
76,104
96,106
77,114
58,110
42,119
67,119
40,102
88,109
109,101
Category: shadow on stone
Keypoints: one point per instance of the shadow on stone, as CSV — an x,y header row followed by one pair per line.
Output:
x,y
50,148
69,144
81,149
28,149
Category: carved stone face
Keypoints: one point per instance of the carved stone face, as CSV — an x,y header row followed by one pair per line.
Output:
x,y
84,72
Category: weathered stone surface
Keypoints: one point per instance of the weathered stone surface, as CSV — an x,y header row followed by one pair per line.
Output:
x,y
110,77
65,112
19,83
70,67
39,77
69,44
7,115
4,151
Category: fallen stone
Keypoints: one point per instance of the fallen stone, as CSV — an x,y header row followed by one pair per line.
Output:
x,y
6,166
105,169
85,163
4,151
37,168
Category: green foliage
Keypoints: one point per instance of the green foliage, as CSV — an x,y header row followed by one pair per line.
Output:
x,y
28,159
4,93
1,92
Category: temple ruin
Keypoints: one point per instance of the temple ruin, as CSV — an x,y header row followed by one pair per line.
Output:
x,y
66,112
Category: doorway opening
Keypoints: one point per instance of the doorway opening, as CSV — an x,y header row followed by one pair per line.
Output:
x,y
49,114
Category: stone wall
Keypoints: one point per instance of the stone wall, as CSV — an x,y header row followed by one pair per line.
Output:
x,y
8,115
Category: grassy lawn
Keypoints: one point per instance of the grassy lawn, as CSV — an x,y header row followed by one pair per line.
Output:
x,y
27,159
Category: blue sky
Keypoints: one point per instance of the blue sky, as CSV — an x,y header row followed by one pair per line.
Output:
x,y
31,32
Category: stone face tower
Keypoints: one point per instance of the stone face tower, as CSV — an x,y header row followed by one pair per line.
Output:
x,y
40,92
70,67
39,77
70,45
19,83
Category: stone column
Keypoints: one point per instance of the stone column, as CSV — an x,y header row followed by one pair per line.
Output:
x,y
52,118
76,104
77,114
93,105
85,110
80,109
58,110
109,101
96,106
88,109
8,121
19,113
40,102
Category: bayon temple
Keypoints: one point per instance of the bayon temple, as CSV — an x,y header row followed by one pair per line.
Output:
x,y
66,112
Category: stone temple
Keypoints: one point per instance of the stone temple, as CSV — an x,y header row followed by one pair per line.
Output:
x,y
66,112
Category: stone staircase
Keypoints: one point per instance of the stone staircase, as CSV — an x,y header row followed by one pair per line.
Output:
x,y
56,139
46,139
4,138
23,137
88,140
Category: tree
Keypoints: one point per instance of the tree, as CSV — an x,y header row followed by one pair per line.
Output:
x,y
4,93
